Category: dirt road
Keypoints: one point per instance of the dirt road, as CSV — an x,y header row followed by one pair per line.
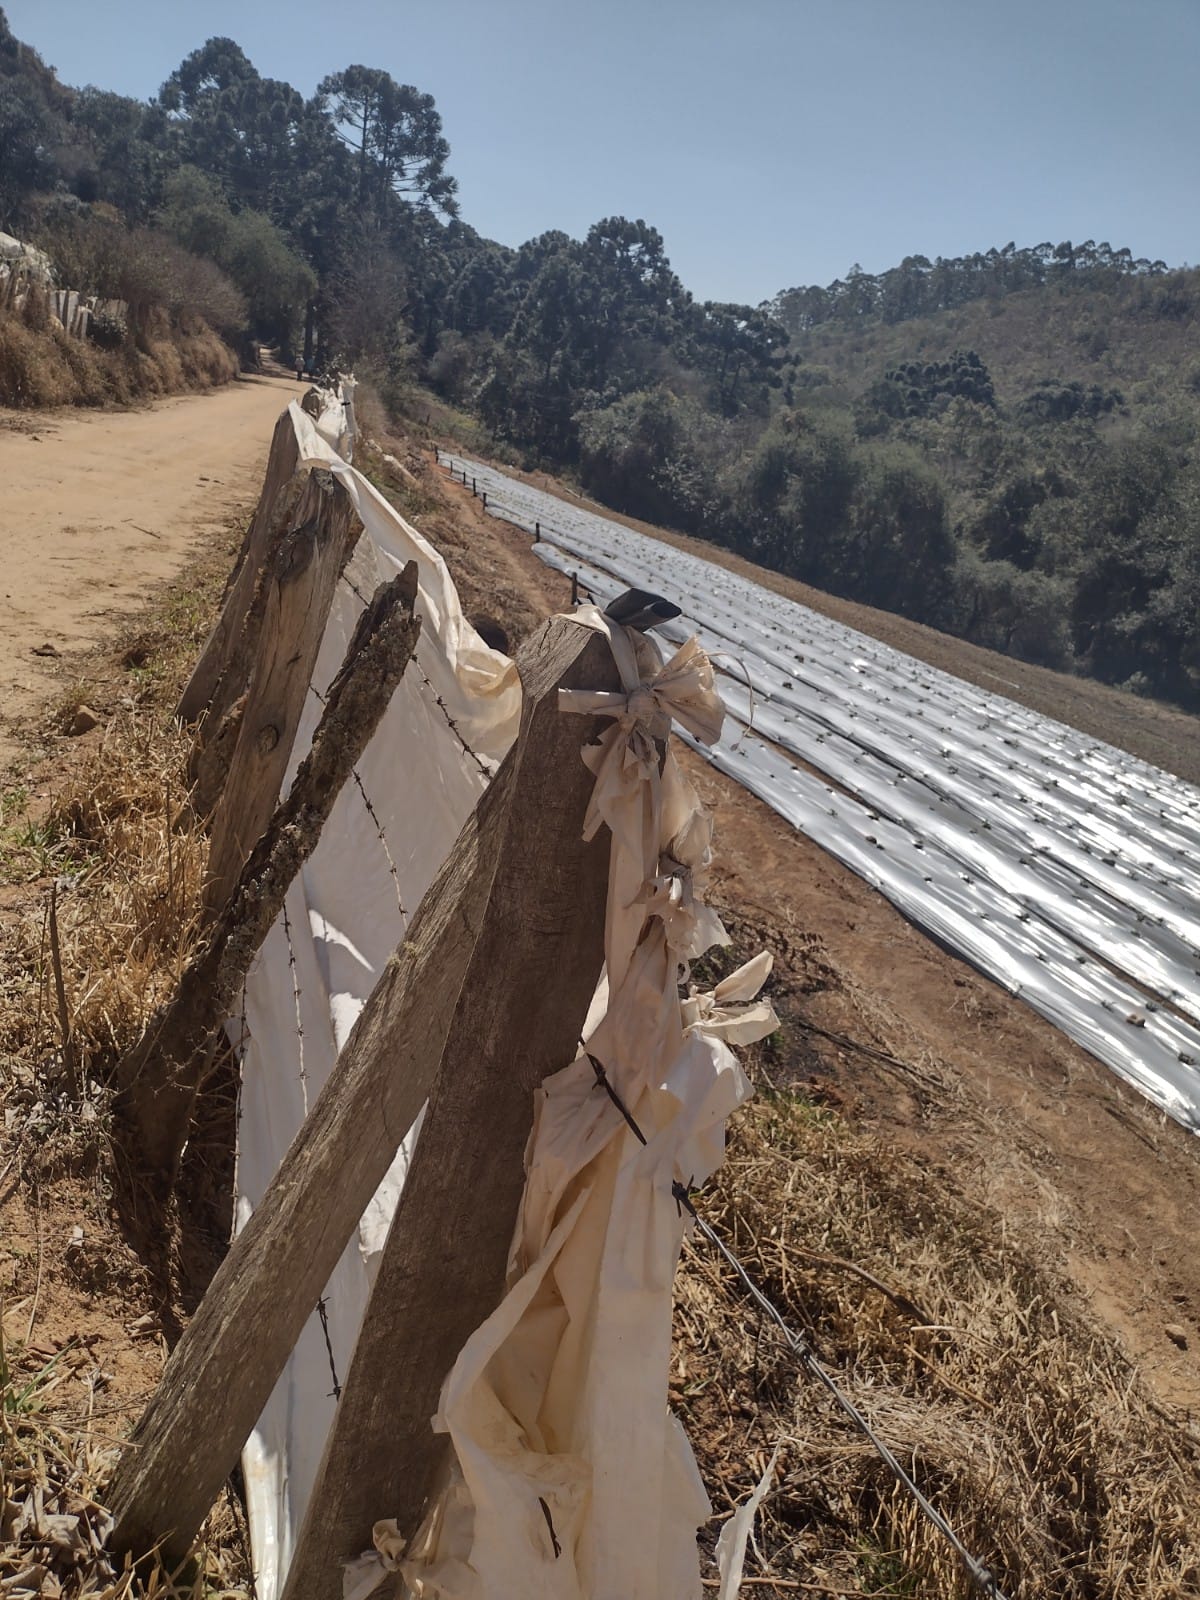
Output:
x,y
100,508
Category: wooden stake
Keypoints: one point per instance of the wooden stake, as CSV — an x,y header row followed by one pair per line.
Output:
x,y
60,990
222,1372
281,466
217,732
162,1074
296,597
519,1016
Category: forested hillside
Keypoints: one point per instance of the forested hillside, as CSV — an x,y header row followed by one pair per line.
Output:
x,y
1006,445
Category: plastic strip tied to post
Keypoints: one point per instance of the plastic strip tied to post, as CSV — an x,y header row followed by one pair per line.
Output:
x,y
569,1478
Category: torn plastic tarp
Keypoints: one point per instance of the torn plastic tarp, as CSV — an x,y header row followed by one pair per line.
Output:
x,y
450,721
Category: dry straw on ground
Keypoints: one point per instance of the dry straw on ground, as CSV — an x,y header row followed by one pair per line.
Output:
x,y
1020,1419
126,878
114,846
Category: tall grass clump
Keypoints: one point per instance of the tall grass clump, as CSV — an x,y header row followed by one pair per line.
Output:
x,y
950,1329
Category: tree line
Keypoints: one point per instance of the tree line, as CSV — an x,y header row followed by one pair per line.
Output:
x,y
919,287
1048,511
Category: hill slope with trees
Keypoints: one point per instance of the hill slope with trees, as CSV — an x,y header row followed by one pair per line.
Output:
x,y
1005,445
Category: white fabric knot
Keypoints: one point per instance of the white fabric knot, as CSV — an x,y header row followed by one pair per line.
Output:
x,y
731,1011
684,690
645,706
690,924
361,1577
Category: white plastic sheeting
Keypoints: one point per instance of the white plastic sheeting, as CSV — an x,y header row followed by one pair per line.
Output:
x,y
16,256
1066,869
389,832
569,1478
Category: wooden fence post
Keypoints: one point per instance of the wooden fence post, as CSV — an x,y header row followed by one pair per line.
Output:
x,y
160,1076
217,730
281,467
223,1370
296,597
519,1017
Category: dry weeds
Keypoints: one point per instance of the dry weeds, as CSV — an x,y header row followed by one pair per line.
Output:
x,y
127,869
43,366
53,1528
115,850
1017,1415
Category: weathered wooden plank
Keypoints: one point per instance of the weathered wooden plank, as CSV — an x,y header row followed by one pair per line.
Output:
x,y
217,732
519,1017
160,1076
296,597
282,463
222,1372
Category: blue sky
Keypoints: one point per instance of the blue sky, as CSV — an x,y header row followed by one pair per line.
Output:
x,y
772,142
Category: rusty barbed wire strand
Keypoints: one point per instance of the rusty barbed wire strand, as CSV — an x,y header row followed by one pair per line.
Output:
x,y
378,826
323,1314
287,930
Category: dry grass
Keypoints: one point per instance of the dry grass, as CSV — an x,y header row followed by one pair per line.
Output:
x,y
43,366
127,876
1022,1421
53,1528
115,844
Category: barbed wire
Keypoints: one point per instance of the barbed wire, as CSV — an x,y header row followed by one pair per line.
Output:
x,y
441,704
239,1051
351,585
287,930
451,724
374,816
387,851
323,1313
980,1575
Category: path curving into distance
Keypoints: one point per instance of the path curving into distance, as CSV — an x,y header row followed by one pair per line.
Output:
x,y
1065,869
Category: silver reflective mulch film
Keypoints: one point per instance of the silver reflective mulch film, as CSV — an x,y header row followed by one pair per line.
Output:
x,y
1067,870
